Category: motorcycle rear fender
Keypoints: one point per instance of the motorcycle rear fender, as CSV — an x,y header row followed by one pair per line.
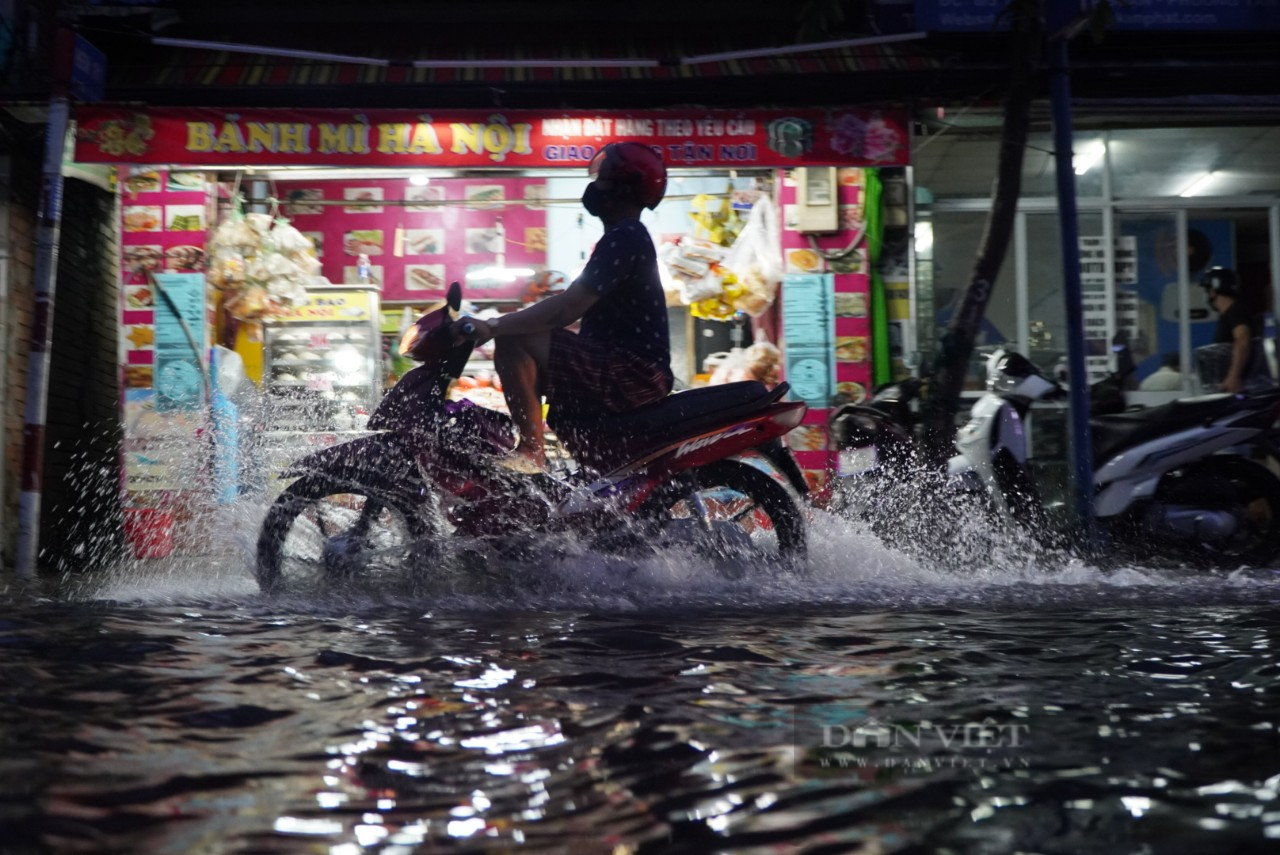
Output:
x,y
758,432
784,463
1135,473
692,452
379,461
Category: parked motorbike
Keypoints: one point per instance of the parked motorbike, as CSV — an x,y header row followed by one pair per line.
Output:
x,y
705,468
876,449
883,481
877,439
1178,480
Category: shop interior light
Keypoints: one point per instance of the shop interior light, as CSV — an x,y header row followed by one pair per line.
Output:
x,y
805,47
1198,184
924,237
347,173
347,360
1089,156
586,62
265,50
498,274
419,179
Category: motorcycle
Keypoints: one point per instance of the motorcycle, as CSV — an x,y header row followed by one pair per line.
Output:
x,y
704,467
1177,480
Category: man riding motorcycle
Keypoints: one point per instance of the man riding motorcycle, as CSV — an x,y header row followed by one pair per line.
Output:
x,y
621,357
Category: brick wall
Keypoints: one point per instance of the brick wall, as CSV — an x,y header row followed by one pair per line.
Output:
x,y
22,186
80,516
81,521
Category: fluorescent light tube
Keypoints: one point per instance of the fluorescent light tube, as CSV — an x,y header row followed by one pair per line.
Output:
x,y
1197,185
1089,157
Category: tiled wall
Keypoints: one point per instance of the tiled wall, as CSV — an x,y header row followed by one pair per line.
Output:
x,y
852,324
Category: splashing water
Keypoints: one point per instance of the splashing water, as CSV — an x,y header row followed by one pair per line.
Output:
x,y
847,564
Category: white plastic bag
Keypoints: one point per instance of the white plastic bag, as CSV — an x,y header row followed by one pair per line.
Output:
x,y
756,258
759,243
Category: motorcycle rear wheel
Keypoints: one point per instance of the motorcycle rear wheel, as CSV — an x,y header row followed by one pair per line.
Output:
x,y
1248,490
735,512
320,531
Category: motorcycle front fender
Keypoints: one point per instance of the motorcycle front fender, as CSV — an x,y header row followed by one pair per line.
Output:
x,y
380,460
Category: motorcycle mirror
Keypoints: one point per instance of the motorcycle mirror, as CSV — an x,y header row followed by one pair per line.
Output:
x,y
454,297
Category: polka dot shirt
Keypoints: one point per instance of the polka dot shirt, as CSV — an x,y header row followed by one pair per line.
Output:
x,y
632,310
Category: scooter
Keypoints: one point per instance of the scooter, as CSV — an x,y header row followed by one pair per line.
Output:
x,y
1178,480
704,468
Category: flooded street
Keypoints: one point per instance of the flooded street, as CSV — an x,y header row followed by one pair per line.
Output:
x,y
577,704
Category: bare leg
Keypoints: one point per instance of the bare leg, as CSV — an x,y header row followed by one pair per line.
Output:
x,y
521,362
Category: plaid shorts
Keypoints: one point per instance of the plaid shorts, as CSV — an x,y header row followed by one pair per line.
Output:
x,y
584,374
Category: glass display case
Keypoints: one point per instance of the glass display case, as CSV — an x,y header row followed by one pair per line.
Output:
x,y
322,371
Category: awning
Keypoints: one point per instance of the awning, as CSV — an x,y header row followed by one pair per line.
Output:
x,y
628,74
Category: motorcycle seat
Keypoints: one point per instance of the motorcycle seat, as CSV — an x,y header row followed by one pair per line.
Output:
x,y
1113,433
678,415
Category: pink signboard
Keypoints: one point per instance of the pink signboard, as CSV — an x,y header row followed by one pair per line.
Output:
x,y
490,234
518,139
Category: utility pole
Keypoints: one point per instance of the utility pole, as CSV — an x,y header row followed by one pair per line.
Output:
x,y
48,237
1062,27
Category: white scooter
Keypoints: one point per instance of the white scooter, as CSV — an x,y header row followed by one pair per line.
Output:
x,y
1180,480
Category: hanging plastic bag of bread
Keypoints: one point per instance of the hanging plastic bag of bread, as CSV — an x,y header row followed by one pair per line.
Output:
x,y
756,259
260,224
228,269
296,247
763,362
249,304
757,293
234,233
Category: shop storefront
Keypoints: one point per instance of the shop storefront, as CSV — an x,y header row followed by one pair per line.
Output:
x,y
291,247
1157,207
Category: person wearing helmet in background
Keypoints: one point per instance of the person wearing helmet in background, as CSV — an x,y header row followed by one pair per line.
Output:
x,y
1236,327
621,357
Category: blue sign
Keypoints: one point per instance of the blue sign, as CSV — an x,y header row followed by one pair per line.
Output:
x,y
179,341
88,71
977,16
808,320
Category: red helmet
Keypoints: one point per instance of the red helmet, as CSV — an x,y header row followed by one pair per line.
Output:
x,y
633,164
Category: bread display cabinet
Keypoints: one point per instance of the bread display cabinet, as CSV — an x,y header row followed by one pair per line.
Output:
x,y
322,371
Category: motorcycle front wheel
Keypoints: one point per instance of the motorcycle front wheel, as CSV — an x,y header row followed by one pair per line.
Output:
x,y
1246,491
733,513
321,531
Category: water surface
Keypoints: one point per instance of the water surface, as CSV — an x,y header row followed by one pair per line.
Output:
x,y
876,703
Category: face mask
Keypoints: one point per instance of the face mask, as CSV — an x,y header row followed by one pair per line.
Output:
x,y
594,199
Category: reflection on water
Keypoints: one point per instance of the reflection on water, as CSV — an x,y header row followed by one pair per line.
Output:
x,y
874,703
